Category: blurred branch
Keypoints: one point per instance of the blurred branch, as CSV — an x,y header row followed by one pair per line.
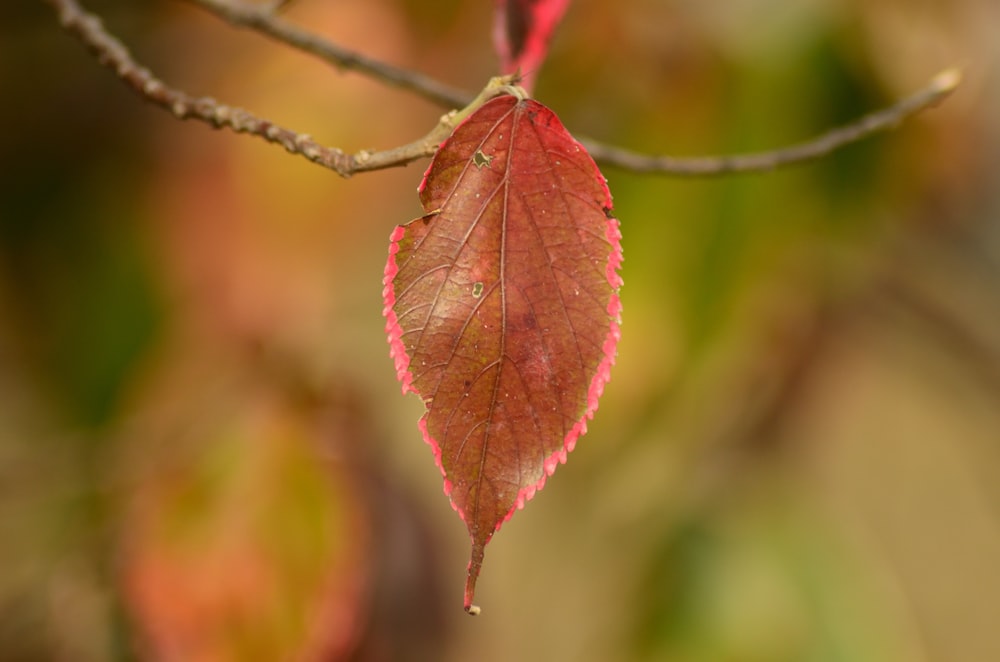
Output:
x,y
960,326
263,20
113,54
936,91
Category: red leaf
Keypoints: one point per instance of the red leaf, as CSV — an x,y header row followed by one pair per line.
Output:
x,y
502,307
522,30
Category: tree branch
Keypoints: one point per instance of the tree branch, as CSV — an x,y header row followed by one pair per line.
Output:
x,y
237,12
936,91
263,20
114,55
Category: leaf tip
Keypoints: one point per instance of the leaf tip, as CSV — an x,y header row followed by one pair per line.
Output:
x,y
475,564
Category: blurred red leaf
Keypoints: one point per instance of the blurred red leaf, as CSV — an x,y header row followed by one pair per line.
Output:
x,y
249,547
522,30
502,307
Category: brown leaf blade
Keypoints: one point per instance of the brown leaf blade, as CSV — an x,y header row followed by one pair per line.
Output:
x,y
502,307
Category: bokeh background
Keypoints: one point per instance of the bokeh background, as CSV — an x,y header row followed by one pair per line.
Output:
x,y
204,454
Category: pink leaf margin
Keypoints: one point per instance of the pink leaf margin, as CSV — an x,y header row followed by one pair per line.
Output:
x,y
397,351
600,379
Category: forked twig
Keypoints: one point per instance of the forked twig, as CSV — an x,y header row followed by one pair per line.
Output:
x,y
114,55
237,12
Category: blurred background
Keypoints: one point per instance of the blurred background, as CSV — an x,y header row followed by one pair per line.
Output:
x,y
204,454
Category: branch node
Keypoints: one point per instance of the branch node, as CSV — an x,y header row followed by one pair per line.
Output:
x,y
152,87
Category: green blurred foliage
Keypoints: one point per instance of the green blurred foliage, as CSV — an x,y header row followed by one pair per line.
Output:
x,y
796,458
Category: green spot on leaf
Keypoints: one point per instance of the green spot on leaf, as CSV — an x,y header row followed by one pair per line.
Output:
x,y
481,159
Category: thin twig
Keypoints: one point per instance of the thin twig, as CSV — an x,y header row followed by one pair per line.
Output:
x,y
113,54
936,91
263,19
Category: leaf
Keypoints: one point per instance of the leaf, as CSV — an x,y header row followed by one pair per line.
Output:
x,y
502,307
522,30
